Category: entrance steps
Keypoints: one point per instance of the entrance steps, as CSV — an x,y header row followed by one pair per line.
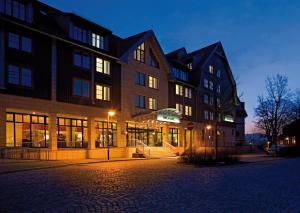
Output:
x,y
161,152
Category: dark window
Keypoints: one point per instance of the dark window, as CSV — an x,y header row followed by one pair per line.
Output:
x,y
139,78
19,42
17,9
83,61
81,88
139,101
153,60
19,76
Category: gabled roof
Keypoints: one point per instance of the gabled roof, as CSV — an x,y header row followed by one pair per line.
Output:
x,y
129,44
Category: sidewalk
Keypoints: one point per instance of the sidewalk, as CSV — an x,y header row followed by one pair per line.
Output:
x,y
253,158
15,165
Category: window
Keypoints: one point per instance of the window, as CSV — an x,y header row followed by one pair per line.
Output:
x,y
17,9
139,53
19,42
188,111
174,136
139,101
206,83
179,108
211,69
219,117
103,66
81,88
179,90
81,60
188,93
218,89
206,115
97,41
211,85
139,78
211,100
219,73
152,103
205,99
190,65
177,73
19,76
153,82
102,92
79,34
106,134
211,116
153,60
218,102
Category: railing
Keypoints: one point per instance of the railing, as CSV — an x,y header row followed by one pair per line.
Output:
x,y
169,147
143,148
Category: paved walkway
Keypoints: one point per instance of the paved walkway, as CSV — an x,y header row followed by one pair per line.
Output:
x,y
154,186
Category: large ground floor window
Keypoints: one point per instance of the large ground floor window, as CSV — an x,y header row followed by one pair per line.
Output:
x,y
72,133
174,136
146,135
106,134
26,130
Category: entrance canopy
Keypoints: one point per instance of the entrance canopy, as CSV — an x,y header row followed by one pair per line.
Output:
x,y
168,115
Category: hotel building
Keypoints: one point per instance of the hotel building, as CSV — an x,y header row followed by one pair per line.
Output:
x,y
70,88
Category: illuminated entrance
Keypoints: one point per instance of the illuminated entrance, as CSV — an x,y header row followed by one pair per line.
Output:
x,y
148,128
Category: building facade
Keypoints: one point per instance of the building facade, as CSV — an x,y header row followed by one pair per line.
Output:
x,y
70,88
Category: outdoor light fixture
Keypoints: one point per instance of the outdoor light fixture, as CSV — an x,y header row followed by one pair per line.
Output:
x,y
208,127
111,113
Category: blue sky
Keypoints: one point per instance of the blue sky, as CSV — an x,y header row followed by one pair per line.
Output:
x,y
260,37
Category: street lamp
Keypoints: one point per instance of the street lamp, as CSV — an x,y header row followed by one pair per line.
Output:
x,y
208,127
109,114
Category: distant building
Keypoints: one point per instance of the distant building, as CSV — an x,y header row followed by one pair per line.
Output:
x,y
291,134
69,88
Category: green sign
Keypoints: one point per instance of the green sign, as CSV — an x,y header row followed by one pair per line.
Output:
x,y
168,115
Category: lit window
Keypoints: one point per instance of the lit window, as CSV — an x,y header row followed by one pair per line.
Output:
x,y
97,41
211,69
211,85
153,82
219,73
103,66
188,111
81,88
139,101
139,78
206,115
152,103
205,99
139,53
205,83
179,90
188,93
19,76
179,108
102,93
190,65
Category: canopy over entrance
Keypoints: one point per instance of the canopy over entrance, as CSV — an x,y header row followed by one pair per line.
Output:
x,y
168,115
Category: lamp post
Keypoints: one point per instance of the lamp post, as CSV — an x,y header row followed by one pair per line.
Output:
x,y
109,114
208,127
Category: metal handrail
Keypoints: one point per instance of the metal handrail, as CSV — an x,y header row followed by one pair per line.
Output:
x,y
169,147
143,148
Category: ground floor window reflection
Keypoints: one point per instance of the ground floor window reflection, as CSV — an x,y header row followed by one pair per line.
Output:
x,y
174,136
145,134
26,130
106,134
72,133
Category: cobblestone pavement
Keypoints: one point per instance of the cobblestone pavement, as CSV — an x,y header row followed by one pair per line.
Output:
x,y
154,186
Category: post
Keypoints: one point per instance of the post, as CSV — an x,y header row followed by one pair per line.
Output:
x,y
191,142
91,133
52,131
2,126
205,136
107,137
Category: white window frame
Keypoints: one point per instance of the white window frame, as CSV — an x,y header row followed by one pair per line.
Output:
x,y
152,82
102,66
102,92
179,89
152,103
188,92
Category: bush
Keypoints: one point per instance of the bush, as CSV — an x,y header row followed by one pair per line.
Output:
x,y
200,159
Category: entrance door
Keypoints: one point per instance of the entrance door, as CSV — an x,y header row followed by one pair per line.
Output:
x,y
188,138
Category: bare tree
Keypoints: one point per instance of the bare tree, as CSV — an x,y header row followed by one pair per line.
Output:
x,y
296,105
274,110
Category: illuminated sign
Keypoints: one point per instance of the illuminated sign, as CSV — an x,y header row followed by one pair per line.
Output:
x,y
228,118
168,115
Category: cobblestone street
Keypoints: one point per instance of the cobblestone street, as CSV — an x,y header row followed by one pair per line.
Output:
x,y
154,186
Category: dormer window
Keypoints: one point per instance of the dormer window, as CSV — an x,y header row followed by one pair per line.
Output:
x,y
211,69
16,9
139,53
97,41
153,61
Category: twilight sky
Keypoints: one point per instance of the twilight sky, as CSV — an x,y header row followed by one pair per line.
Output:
x,y
260,37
